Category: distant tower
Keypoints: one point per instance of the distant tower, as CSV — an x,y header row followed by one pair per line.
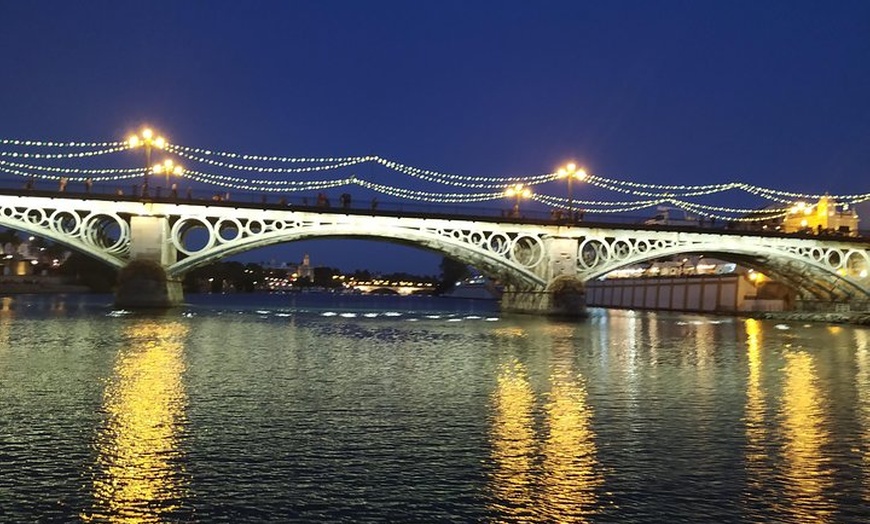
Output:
x,y
305,269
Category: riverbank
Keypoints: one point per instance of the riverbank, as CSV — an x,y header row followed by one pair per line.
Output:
x,y
21,285
860,318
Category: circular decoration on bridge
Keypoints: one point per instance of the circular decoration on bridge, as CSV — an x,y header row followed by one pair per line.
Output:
x,y
620,249
498,243
106,231
817,253
255,227
834,258
228,229
642,245
10,212
856,262
459,234
477,238
191,235
527,251
65,222
592,252
37,217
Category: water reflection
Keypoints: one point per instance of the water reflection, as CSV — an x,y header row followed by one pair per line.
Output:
x,y
6,316
757,460
137,476
807,470
513,443
561,485
862,380
570,466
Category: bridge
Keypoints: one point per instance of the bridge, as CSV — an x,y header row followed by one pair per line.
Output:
x,y
543,263
154,235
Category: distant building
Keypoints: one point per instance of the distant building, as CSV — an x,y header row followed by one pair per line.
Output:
x,y
305,269
25,258
822,217
669,216
825,217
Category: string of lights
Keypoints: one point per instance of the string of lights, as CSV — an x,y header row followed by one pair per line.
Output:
x,y
565,203
501,182
610,207
693,208
78,154
591,208
700,190
43,143
176,148
466,180
129,174
649,194
55,169
256,186
337,163
427,196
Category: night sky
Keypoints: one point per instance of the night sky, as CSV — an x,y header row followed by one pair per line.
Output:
x,y
776,93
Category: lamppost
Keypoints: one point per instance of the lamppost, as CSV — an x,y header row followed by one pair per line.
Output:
x,y
168,167
571,172
519,191
148,140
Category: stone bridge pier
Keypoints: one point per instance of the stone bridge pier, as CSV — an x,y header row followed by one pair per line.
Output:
x,y
144,281
563,295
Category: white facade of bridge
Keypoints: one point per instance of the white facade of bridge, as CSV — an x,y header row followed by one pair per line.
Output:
x,y
527,257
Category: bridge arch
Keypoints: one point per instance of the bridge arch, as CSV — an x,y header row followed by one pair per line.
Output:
x,y
832,273
492,263
86,234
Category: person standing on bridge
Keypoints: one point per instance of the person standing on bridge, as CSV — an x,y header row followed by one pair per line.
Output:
x,y
63,182
89,183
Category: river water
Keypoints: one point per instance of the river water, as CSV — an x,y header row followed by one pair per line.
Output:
x,y
324,409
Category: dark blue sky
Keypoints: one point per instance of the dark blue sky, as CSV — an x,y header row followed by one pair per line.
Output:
x,y
773,93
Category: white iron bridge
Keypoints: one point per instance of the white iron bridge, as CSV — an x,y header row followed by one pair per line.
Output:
x,y
532,257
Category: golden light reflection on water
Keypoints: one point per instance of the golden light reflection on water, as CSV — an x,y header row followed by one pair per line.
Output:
x,y
570,464
137,477
756,429
807,473
862,380
562,488
513,442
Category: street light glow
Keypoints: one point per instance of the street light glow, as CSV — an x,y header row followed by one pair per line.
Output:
x,y
168,167
571,172
148,140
